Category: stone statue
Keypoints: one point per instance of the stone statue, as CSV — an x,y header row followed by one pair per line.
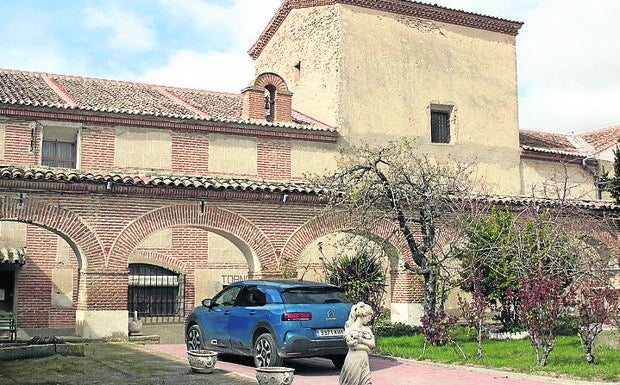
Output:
x,y
360,339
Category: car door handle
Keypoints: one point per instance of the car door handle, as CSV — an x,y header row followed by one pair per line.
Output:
x,y
252,312
227,312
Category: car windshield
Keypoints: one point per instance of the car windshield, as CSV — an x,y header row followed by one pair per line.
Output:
x,y
226,297
313,295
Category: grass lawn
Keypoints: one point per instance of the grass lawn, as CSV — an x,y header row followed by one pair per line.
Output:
x,y
566,360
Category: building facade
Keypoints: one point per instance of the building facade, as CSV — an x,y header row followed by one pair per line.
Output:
x,y
118,197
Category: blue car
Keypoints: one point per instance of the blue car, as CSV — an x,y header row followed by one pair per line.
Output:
x,y
272,321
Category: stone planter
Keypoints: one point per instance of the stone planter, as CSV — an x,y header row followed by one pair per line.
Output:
x,y
135,325
202,361
274,375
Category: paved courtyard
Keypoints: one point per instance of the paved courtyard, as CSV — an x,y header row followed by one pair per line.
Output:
x,y
385,371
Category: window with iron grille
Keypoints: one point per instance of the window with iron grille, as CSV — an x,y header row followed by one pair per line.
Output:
x,y
156,293
440,127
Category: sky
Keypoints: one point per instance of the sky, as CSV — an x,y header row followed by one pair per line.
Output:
x,y
568,56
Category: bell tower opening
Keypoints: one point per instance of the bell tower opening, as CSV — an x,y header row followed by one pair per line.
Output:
x,y
267,98
270,102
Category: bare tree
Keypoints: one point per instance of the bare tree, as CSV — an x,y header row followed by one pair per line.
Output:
x,y
397,184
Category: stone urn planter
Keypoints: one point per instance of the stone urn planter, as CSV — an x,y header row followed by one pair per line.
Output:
x,y
135,325
274,375
202,361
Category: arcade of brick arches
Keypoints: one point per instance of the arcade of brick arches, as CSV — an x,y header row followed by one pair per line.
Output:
x,y
103,226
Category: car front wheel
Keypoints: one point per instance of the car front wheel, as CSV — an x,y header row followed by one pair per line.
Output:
x,y
192,339
265,352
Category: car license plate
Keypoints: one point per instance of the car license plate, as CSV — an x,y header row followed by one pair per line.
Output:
x,y
330,332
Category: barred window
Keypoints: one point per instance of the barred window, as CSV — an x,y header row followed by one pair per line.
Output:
x,y
440,127
156,293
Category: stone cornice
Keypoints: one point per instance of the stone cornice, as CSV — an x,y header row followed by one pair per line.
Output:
x,y
400,7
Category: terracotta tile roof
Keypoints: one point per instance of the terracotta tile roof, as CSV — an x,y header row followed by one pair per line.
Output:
x,y
601,139
90,94
28,89
12,255
548,142
582,144
401,7
543,202
46,174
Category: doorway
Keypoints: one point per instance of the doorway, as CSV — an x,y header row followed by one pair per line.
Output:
x,y
7,287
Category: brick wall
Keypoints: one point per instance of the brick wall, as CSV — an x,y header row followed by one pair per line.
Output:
x,y
190,154
97,149
17,143
274,159
34,284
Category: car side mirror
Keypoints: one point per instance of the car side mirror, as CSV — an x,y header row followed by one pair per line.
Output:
x,y
206,302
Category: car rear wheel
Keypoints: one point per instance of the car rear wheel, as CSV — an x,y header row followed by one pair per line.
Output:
x,y
265,352
338,361
192,339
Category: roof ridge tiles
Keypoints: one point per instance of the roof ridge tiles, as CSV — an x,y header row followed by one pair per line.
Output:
x,y
176,99
61,92
598,130
313,119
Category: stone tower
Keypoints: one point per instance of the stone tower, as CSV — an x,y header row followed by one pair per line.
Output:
x,y
383,69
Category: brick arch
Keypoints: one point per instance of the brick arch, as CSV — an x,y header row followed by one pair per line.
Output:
x,y
254,244
606,241
69,226
154,258
334,222
269,78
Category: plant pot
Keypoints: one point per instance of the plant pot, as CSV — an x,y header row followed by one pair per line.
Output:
x,y
202,361
274,375
135,325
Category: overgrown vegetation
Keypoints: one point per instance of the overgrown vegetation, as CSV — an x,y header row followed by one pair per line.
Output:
x,y
539,270
398,329
488,265
359,273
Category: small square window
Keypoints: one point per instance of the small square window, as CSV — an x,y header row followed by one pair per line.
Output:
x,y
58,154
440,126
59,146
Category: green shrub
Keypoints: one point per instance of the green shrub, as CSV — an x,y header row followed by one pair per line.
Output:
x,y
566,326
398,329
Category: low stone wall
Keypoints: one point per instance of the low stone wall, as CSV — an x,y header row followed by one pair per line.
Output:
x,y
20,351
508,336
